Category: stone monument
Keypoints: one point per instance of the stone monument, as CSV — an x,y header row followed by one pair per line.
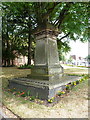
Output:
x,y
47,66
46,75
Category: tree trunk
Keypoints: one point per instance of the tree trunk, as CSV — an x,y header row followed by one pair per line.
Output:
x,y
8,51
8,62
12,63
8,47
5,62
29,48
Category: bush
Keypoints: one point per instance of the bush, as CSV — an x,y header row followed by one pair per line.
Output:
x,y
23,94
60,93
68,87
25,66
32,98
51,100
77,82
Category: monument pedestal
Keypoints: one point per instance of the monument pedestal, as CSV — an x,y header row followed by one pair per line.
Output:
x,y
48,73
41,88
47,66
46,76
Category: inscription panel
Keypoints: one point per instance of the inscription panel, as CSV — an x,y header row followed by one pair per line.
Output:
x,y
53,57
40,55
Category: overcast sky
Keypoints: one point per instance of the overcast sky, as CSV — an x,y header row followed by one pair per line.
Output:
x,y
78,48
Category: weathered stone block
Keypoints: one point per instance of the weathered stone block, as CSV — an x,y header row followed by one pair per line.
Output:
x,y
41,89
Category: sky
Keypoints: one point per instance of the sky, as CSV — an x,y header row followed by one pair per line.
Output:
x,y
78,48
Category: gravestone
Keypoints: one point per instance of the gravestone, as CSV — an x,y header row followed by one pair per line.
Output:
x,y
46,76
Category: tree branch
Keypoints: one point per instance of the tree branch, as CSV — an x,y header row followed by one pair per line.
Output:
x,y
62,14
49,10
54,5
64,36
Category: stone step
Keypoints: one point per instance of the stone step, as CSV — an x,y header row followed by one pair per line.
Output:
x,y
42,88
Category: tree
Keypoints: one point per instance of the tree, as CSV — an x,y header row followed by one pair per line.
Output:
x,y
9,40
69,18
70,59
21,34
72,20
88,57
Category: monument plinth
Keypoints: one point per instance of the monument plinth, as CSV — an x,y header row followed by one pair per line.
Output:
x,y
47,66
46,75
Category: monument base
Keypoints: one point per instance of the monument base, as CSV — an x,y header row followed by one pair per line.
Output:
x,y
40,89
52,74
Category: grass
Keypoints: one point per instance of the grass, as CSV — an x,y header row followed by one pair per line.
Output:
x,y
79,86
19,105
76,71
77,66
12,72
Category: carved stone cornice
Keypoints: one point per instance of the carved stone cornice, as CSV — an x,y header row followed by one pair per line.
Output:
x,y
47,32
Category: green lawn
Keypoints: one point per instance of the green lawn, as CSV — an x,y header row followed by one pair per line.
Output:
x,y
76,71
12,72
73,105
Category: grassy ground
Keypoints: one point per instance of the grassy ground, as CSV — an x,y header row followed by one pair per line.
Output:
x,y
76,71
12,72
72,105
78,66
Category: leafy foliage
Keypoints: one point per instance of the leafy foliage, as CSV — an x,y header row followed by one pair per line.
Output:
x,y
88,57
26,66
20,20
